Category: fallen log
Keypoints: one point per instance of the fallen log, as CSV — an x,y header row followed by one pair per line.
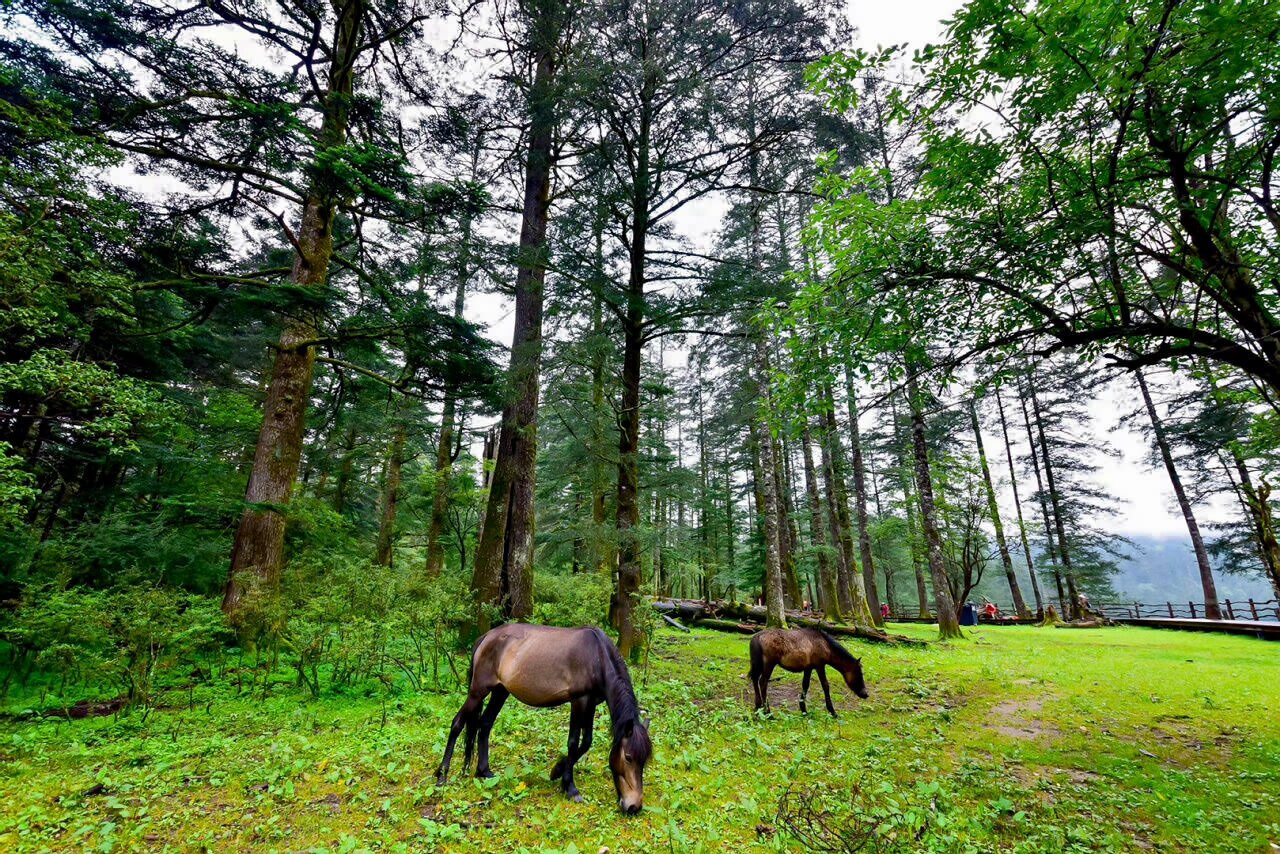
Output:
x,y
673,623
748,619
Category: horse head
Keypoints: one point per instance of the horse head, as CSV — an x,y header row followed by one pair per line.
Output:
x,y
631,750
852,673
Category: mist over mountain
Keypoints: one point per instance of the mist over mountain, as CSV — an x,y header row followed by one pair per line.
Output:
x,y
1157,569
1163,569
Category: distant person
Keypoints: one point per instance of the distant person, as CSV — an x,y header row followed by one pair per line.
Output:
x,y
1083,598
884,610
991,610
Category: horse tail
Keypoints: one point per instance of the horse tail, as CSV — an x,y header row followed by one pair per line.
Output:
x,y
757,658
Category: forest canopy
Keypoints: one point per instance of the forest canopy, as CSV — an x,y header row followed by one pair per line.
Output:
x,y
783,320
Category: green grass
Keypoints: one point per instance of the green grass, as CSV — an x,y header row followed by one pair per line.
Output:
x,y
1014,739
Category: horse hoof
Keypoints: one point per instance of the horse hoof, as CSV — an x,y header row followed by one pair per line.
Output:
x,y
574,796
485,774
441,779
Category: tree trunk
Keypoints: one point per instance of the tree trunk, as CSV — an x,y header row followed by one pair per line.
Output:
x,y
503,575
1059,520
917,559
948,620
828,598
1019,604
440,489
390,497
1211,609
773,581
627,587
849,579
1049,547
840,571
258,548
787,534
1017,506
860,503
444,450
730,531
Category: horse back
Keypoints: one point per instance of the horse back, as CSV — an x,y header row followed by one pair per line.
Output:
x,y
542,665
792,649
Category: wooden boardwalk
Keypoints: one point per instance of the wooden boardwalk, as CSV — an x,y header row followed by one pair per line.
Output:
x,y
1269,630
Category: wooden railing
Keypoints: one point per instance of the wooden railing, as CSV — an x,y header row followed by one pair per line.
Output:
x,y
1249,609
1231,609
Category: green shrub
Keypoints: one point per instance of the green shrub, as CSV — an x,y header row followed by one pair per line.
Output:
x,y
125,636
579,599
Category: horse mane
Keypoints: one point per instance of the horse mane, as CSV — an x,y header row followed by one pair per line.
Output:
x,y
837,651
620,696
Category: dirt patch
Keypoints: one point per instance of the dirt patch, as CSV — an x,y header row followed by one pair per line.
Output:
x,y
1012,719
332,801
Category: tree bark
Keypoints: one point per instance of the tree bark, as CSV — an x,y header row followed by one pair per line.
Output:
x,y
1019,604
1017,506
1211,609
829,599
258,548
770,515
627,587
390,497
905,451
448,413
1050,549
503,575
1055,500
860,503
848,578
948,619
788,536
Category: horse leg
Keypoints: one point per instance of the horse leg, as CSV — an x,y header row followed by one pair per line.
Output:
x,y
804,689
496,699
464,718
753,674
581,722
826,690
764,686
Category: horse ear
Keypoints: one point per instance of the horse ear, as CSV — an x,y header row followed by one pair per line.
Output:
x,y
644,719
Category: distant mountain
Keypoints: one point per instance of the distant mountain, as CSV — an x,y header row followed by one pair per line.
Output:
x,y
1158,569
1163,569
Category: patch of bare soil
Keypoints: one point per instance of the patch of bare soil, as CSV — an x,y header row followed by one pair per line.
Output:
x,y
1012,718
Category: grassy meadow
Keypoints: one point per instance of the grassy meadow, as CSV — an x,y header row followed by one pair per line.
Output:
x,y
1014,739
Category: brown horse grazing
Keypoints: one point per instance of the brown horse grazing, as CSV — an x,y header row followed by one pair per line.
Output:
x,y
545,666
802,650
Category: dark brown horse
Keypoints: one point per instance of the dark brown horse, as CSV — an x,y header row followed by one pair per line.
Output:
x,y
545,666
802,651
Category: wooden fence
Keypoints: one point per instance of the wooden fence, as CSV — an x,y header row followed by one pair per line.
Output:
x,y
1249,609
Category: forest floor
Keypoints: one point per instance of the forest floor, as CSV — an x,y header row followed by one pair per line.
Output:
x,y
1016,738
